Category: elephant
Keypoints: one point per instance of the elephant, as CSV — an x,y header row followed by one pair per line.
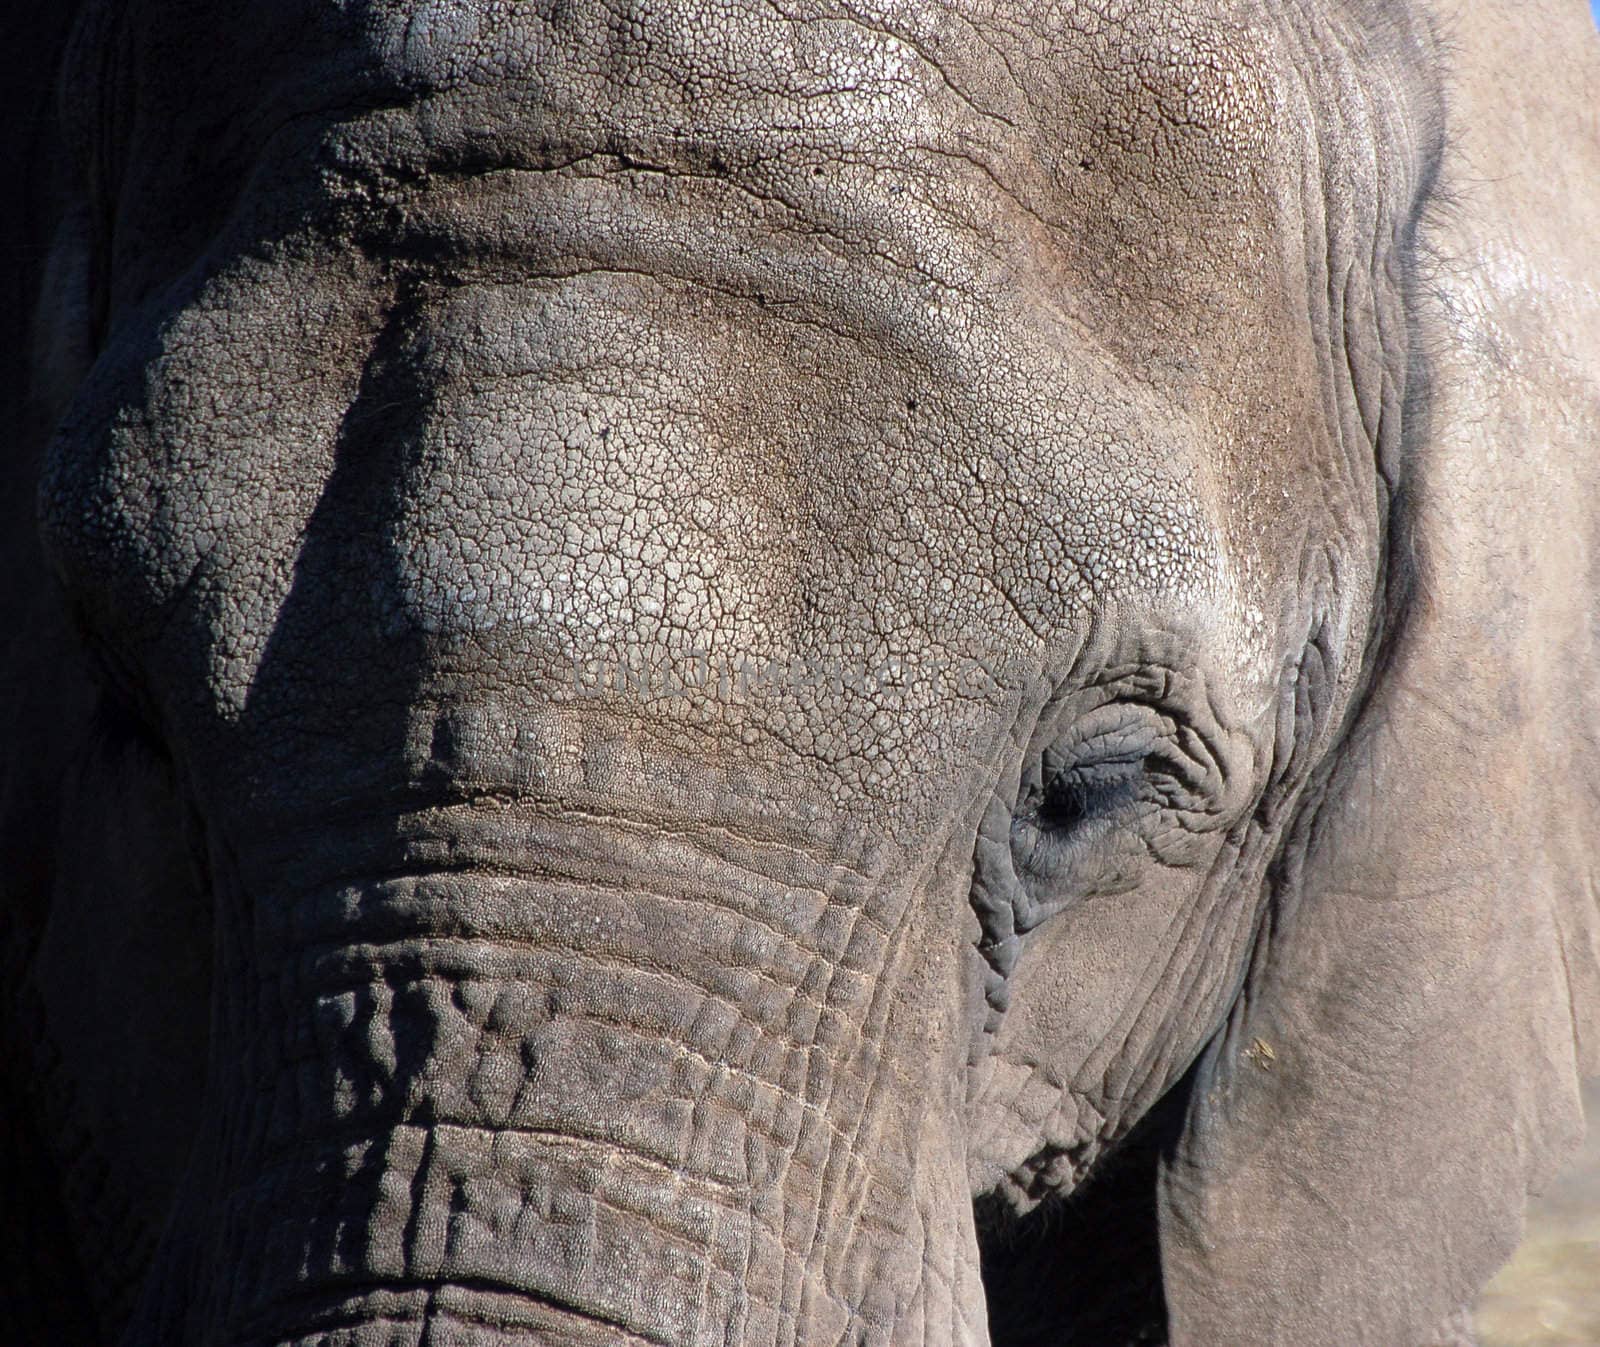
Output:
x,y
839,673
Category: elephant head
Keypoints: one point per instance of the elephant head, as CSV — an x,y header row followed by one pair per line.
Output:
x,y
735,673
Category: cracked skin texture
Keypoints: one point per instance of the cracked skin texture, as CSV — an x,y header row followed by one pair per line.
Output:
x,y
796,674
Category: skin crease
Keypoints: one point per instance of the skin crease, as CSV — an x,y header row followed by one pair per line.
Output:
x,y
766,674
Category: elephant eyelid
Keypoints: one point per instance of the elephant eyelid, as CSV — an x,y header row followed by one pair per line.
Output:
x,y
1115,760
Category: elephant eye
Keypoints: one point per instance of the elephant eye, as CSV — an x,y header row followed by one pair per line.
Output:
x,y
1115,788
1075,803
1073,799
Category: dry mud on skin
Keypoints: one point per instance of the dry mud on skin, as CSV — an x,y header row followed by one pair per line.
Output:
x,y
1549,1294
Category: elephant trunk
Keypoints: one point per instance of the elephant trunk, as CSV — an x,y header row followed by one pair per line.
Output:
x,y
558,1079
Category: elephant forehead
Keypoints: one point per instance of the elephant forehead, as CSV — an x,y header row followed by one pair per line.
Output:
x,y
809,334
950,182
1124,147
1116,142
833,74
607,456
577,466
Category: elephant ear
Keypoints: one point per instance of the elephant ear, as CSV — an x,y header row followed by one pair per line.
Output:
x,y
1404,1061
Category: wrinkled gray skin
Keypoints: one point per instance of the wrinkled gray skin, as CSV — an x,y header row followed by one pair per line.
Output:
x,y
1146,450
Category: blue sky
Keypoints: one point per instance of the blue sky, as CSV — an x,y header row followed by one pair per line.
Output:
x,y
1594,8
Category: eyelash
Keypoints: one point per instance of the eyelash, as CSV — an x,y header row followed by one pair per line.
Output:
x,y
1070,799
